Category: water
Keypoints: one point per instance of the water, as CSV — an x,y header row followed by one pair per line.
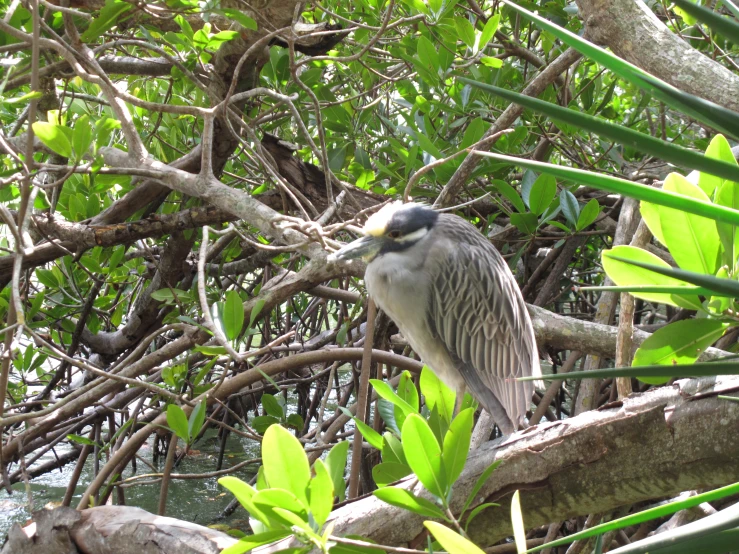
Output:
x,y
196,500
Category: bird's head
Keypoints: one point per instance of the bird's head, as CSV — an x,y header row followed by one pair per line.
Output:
x,y
394,228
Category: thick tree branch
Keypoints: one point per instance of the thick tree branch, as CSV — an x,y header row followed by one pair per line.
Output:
x,y
632,31
652,445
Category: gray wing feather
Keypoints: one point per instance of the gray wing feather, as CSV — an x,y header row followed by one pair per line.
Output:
x,y
478,313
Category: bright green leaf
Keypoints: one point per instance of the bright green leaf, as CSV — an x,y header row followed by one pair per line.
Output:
x,y
54,137
423,453
285,463
691,239
404,499
624,274
320,493
451,541
457,444
177,421
681,342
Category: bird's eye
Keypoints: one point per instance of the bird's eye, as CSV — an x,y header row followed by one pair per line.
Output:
x,y
394,234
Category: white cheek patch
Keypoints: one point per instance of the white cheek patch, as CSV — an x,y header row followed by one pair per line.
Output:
x,y
414,236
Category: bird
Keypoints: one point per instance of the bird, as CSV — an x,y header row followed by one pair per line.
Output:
x,y
455,300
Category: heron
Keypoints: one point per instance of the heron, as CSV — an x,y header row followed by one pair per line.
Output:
x,y
455,300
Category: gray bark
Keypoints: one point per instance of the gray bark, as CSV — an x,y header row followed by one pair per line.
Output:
x,y
632,31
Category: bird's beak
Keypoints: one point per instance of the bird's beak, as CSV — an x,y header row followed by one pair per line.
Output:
x,y
366,248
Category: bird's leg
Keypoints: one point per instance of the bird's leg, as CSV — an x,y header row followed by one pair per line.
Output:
x,y
460,398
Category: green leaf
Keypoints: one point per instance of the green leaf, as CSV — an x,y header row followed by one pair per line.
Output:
x,y
490,61
714,115
108,17
81,440
718,149
387,473
262,423
645,515
423,453
320,493
626,274
285,463
82,136
54,137
370,435
47,278
484,476
238,16
255,311
451,541
728,195
457,444
723,286
724,26
519,531
195,422
270,501
336,466
671,152
436,394
404,499
510,193
526,223
427,54
250,542
465,30
701,369
392,449
692,240
588,214
681,342
177,421
627,188
542,193
233,315
383,390
272,406
570,207
244,493
407,390
488,31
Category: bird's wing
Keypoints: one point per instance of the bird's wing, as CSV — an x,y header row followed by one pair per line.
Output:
x,y
479,314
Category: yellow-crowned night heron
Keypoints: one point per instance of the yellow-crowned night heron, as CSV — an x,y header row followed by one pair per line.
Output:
x,y
454,298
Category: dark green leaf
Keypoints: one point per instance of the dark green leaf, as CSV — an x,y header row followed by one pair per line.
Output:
x,y
671,152
272,406
702,369
233,315
108,17
197,417
570,207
